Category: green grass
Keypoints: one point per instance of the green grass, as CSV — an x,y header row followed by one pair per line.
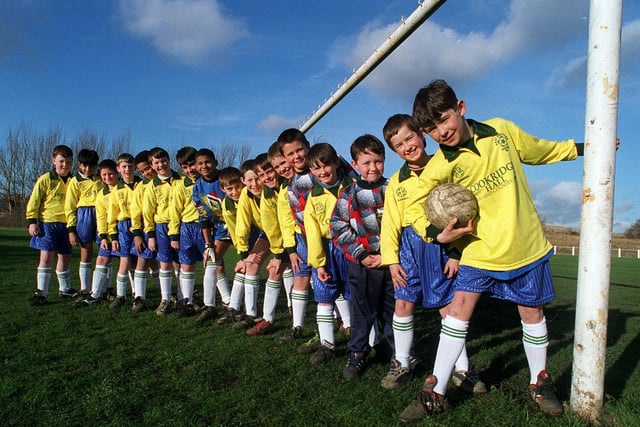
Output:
x,y
65,366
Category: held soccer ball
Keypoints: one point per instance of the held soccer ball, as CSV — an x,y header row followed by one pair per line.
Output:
x,y
448,201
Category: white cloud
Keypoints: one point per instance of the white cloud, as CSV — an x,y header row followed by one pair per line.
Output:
x,y
434,50
274,124
559,204
192,32
575,71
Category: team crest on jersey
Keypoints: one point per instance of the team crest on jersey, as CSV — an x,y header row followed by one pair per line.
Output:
x,y
401,193
501,141
319,208
457,173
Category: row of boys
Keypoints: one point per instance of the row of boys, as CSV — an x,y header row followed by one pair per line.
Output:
x,y
359,236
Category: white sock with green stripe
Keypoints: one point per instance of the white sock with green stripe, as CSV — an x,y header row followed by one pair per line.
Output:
x,y
452,339
324,318
84,272
299,301
403,337
271,293
237,292
536,340
187,283
343,310
287,281
209,284
166,278
222,283
64,280
140,278
98,285
42,280
251,284
122,283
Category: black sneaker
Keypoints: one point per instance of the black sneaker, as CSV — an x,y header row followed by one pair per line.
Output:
x,y
37,299
355,365
396,376
323,354
428,403
544,394
86,302
117,303
294,334
207,313
184,309
469,381
109,294
138,305
68,293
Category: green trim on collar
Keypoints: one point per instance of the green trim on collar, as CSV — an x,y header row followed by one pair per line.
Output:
x,y
268,192
481,130
174,175
229,204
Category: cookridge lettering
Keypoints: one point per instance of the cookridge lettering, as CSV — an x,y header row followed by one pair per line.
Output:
x,y
494,180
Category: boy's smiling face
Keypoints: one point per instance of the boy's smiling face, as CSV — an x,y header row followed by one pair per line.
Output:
x,y
325,174
370,166
161,165
451,129
252,182
282,166
190,170
233,190
268,176
409,146
61,164
109,176
126,171
146,170
296,154
207,167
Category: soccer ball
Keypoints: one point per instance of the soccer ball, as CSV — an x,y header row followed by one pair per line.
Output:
x,y
448,201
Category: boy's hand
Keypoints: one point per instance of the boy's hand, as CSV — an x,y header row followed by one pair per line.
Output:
x,y
398,276
139,244
323,275
73,239
372,261
295,261
275,266
175,244
34,230
152,244
451,268
240,267
104,245
451,234
115,246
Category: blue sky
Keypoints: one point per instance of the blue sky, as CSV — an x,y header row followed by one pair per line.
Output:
x,y
206,73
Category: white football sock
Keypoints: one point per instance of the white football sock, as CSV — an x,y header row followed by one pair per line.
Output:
x,y
271,293
299,301
324,318
536,340
403,337
42,280
452,339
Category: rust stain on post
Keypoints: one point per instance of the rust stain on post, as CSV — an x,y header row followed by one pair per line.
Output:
x,y
587,196
610,89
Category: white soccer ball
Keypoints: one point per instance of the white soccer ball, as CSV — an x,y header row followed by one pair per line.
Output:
x,y
448,201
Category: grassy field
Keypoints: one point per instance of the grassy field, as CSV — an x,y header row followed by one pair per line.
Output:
x,y
93,366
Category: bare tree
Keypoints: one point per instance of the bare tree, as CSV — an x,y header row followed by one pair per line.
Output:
x,y
231,155
24,157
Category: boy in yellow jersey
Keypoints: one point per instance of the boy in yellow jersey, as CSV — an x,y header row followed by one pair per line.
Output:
x,y
120,226
48,226
155,212
185,232
79,206
108,172
421,272
146,258
506,253
269,214
328,263
267,178
230,179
